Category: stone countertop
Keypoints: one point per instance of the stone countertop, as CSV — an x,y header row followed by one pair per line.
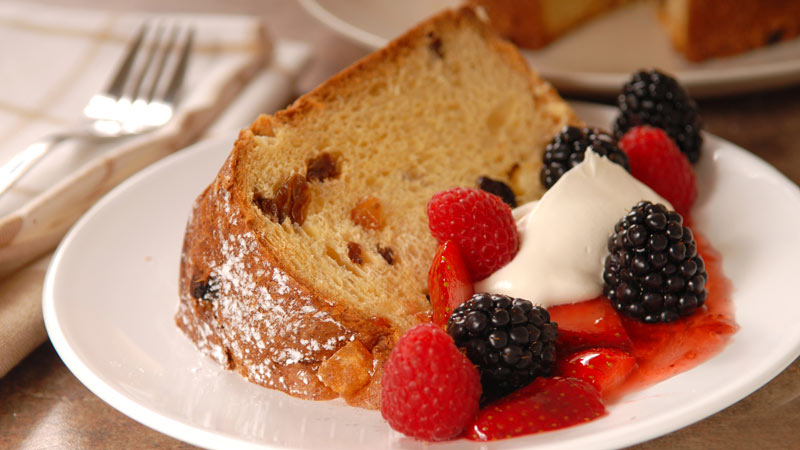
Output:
x,y
42,405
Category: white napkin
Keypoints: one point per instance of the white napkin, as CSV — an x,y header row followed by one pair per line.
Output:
x,y
51,61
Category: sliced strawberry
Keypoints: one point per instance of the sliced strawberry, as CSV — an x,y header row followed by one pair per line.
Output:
x,y
592,323
449,284
604,368
544,405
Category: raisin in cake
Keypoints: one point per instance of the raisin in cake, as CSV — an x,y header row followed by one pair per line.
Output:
x,y
307,257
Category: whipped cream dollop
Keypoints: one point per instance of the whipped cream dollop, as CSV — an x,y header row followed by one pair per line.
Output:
x,y
563,236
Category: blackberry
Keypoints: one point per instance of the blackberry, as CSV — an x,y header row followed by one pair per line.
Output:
x,y
499,189
510,340
567,149
653,272
655,99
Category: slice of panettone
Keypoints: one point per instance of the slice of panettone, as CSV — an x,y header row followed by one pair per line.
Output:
x,y
307,257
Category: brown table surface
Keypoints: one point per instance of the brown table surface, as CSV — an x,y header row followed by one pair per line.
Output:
x,y
42,405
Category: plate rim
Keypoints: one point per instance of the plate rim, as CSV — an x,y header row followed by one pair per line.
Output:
x,y
77,366
199,436
701,83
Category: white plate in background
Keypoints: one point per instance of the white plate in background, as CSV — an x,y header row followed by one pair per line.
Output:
x,y
594,59
111,292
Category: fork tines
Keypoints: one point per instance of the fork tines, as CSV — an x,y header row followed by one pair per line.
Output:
x,y
147,81
141,75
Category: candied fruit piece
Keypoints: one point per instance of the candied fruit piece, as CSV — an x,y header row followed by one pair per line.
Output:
x,y
347,370
368,213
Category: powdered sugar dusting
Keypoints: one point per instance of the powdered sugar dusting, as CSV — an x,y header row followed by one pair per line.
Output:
x,y
264,322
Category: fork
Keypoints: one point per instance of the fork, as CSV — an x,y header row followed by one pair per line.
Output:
x,y
141,96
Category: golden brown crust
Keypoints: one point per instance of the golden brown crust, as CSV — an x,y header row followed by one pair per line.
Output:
x,y
254,317
343,82
519,21
700,29
713,29
241,304
528,24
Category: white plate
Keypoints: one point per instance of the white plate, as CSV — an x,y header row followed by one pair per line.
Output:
x,y
595,59
111,292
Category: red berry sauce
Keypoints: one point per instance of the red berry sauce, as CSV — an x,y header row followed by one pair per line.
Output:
x,y
665,350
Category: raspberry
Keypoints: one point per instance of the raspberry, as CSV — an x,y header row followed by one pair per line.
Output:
x,y
480,224
657,162
429,391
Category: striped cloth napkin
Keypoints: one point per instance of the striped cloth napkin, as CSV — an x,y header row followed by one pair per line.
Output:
x,y
51,61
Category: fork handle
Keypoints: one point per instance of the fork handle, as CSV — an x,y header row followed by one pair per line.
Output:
x,y
22,162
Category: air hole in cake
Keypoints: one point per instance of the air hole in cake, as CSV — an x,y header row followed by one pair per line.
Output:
x,y
290,201
322,167
331,253
435,44
512,171
354,253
